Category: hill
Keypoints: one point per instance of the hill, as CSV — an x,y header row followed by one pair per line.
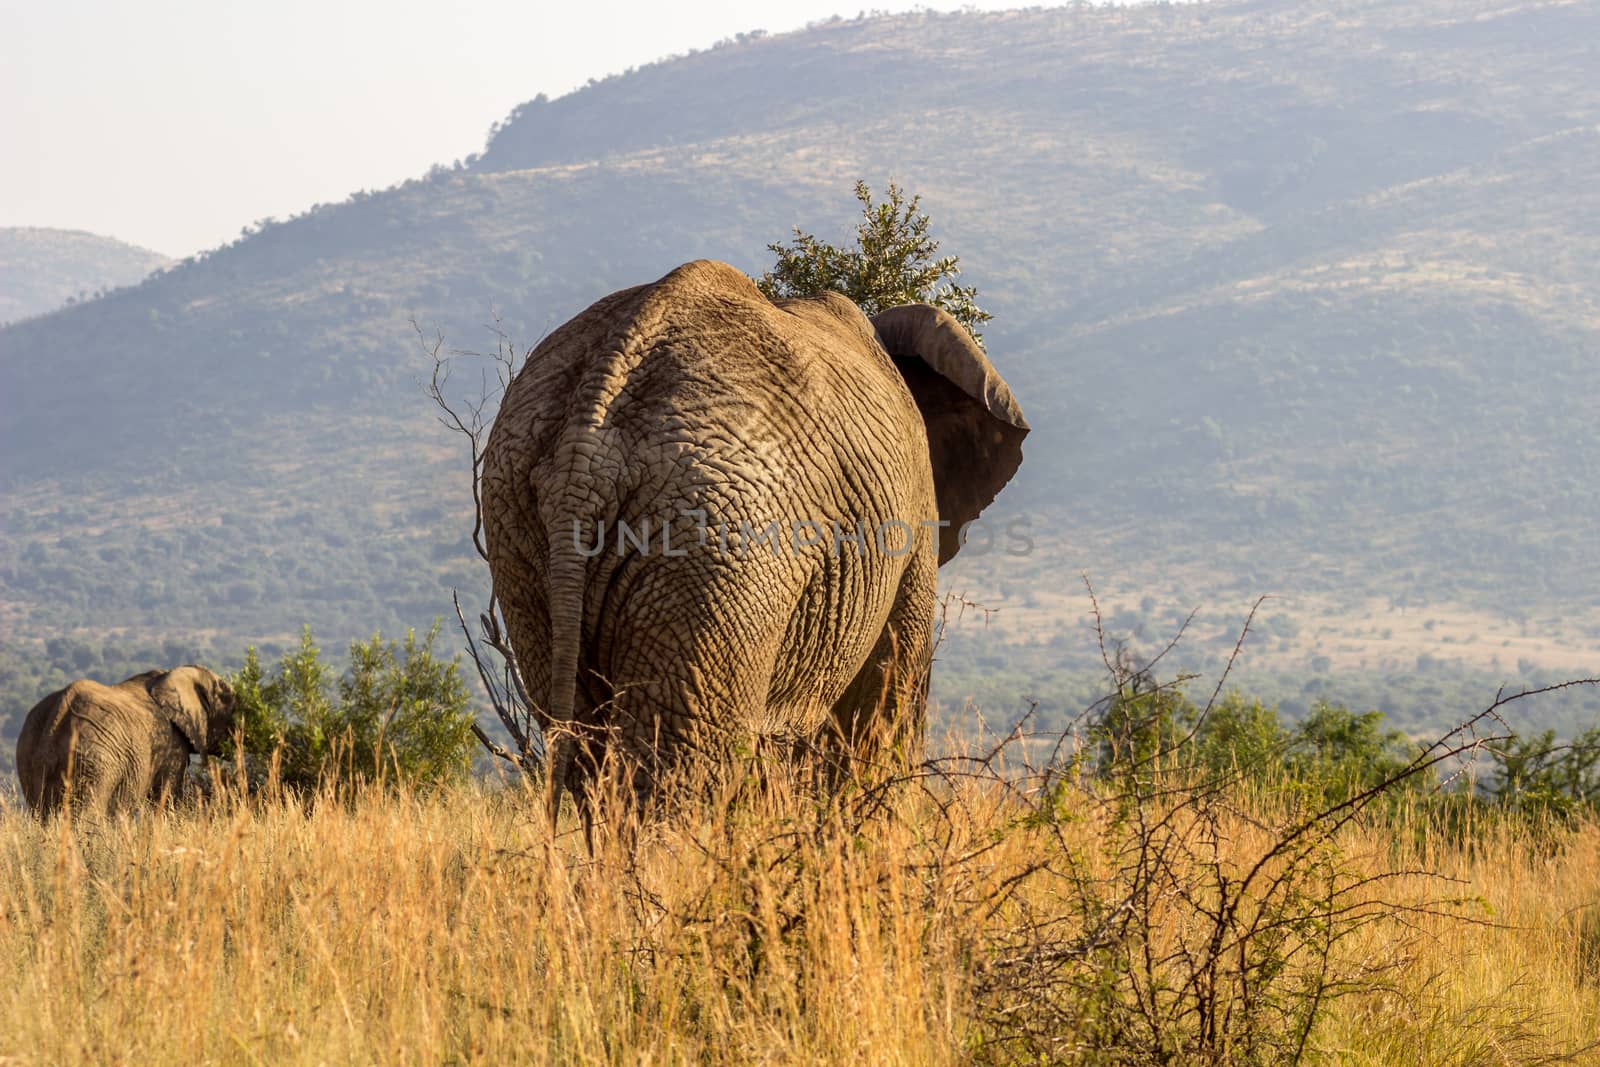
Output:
x,y
1299,298
42,269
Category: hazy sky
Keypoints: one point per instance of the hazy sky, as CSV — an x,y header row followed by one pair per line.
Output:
x,y
174,123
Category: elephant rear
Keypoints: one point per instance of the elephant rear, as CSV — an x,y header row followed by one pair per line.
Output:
x,y
41,766
66,751
816,452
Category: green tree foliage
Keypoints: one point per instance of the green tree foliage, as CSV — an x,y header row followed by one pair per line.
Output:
x,y
1239,732
1541,774
1147,729
397,714
893,262
1150,735
1346,752
1141,728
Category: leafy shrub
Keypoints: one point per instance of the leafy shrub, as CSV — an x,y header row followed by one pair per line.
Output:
x,y
1541,774
397,714
1239,732
1336,759
1341,753
1331,755
893,263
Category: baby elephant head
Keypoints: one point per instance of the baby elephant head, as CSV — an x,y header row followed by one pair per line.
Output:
x,y
199,704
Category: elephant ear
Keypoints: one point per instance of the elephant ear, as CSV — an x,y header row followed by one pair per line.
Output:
x,y
179,695
975,426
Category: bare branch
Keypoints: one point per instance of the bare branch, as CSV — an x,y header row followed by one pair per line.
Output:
x,y
472,419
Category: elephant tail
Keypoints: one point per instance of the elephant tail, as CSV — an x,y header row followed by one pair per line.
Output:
x,y
566,576
584,501
586,458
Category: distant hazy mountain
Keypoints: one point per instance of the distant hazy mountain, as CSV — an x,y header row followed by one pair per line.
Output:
x,y
41,269
1299,297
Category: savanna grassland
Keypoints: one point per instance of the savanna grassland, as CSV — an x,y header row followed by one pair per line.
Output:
x,y
958,917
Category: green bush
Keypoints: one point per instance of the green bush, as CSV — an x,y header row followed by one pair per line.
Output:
x,y
1146,731
1239,733
1332,754
893,263
398,714
1543,776
1341,753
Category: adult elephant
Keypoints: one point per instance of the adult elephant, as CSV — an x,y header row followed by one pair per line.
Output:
x,y
114,748
712,518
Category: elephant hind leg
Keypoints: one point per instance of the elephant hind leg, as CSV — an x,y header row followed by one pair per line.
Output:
x,y
94,788
882,716
62,775
689,660
46,795
674,744
77,784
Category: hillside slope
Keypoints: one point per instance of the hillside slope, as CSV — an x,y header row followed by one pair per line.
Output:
x,y
42,269
1298,297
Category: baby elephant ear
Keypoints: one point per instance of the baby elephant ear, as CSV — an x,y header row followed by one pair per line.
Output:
x,y
975,426
179,695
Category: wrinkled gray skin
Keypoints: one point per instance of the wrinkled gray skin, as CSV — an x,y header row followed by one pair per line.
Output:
x,y
117,748
696,393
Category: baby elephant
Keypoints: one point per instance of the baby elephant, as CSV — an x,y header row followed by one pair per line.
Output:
x,y
113,748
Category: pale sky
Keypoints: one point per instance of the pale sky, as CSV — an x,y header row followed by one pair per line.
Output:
x,y
172,124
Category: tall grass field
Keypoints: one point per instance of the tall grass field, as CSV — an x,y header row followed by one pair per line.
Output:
x,y
963,914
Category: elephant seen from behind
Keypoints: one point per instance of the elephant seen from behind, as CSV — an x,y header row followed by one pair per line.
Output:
x,y
713,518
108,749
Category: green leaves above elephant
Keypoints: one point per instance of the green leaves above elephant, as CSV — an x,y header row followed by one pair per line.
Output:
x,y
893,263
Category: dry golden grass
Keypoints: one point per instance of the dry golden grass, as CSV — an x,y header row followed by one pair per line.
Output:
x,y
453,927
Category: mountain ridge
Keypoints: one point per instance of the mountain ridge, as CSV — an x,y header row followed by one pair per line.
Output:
x,y
43,268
